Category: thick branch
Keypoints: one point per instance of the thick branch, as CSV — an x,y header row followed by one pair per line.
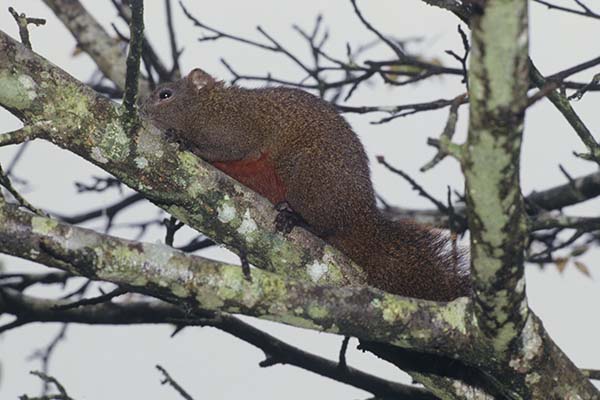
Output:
x,y
146,312
576,191
201,284
499,80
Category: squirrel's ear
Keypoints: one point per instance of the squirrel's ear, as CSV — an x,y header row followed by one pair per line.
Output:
x,y
200,79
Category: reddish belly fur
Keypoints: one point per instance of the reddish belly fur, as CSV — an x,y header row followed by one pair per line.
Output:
x,y
258,174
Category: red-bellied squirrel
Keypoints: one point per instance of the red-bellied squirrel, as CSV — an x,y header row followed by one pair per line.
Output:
x,y
295,149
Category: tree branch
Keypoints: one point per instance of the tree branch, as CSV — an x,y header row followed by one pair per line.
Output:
x,y
498,76
136,38
157,312
202,284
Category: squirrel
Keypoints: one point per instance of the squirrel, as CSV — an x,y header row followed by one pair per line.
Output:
x,y
295,149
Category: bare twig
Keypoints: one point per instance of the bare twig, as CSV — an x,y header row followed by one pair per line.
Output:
x,y
175,52
448,132
440,206
563,105
586,11
45,354
579,94
23,21
197,243
7,184
172,225
394,46
136,32
104,298
171,382
110,212
462,59
47,379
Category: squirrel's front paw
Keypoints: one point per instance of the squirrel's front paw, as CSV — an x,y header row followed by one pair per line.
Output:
x,y
287,218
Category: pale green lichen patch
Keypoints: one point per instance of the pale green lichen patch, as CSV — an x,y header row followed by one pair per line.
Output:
x,y
226,211
189,169
316,271
195,188
533,378
43,226
114,142
231,285
503,30
351,274
394,309
495,159
121,263
29,86
283,254
141,162
150,142
318,312
503,336
248,227
97,155
160,254
71,107
531,341
81,240
16,92
272,286
188,161
208,299
453,314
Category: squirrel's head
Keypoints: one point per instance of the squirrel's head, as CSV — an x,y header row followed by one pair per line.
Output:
x,y
171,101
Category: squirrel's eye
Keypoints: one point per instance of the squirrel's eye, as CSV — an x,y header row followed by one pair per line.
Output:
x,y
165,94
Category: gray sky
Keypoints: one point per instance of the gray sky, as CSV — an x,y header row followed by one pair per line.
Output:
x,y
105,362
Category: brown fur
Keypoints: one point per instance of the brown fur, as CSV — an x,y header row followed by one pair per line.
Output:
x,y
308,153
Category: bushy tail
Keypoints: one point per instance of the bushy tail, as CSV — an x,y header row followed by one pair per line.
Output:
x,y
408,259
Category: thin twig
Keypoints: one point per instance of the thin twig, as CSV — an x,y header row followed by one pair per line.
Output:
x,y
47,379
175,52
136,33
23,21
440,206
7,184
563,105
395,48
171,382
104,298
448,132
462,60
587,12
579,93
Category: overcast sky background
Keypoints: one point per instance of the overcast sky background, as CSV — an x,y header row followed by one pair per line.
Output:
x,y
104,362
